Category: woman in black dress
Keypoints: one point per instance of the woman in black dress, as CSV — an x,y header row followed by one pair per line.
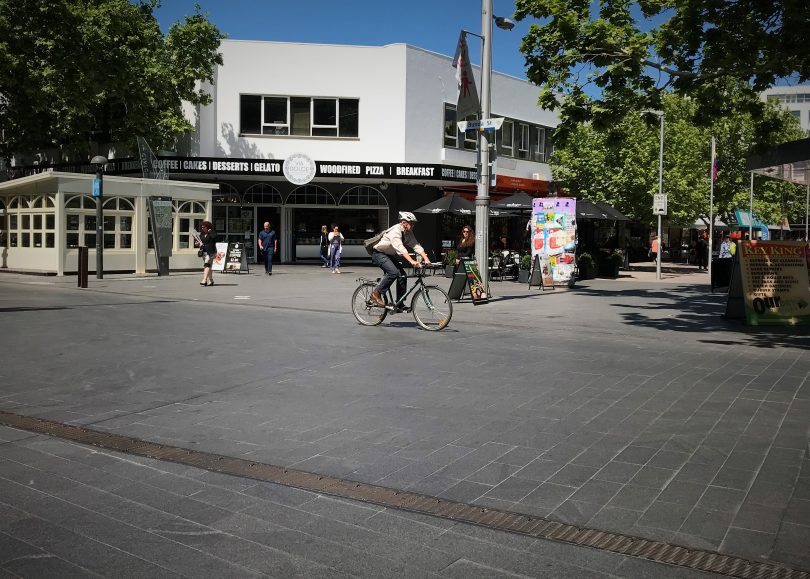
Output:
x,y
208,247
324,246
465,248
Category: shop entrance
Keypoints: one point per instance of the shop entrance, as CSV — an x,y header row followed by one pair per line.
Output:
x,y
273,215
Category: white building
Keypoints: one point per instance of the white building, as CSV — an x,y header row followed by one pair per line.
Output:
x,y
796,99
379,124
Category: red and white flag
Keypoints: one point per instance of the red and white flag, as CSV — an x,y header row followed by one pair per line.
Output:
x,y
468,103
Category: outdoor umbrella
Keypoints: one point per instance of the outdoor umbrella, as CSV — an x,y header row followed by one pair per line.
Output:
x,y
590,210
457,206
448,204
520,200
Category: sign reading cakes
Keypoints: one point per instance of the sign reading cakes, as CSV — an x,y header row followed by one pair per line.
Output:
x,y
299,169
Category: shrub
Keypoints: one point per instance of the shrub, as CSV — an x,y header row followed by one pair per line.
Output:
x,y
525,262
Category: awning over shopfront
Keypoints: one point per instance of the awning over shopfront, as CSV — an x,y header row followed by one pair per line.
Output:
x,y
788,162
598,210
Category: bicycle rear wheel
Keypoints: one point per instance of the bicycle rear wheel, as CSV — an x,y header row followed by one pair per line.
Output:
x,y
364,309
432,308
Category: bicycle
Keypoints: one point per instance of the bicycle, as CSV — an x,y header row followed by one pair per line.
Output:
x,y
430,305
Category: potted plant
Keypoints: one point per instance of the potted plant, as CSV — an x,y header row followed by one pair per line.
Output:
x,y
608,264
585,265
450,263
525,265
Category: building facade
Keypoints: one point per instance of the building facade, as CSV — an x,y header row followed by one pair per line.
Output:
x,y
375,124
796,99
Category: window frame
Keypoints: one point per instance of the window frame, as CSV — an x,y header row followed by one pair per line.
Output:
x,y
286,129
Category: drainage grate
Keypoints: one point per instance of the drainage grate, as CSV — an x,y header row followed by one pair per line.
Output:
x,y
492,518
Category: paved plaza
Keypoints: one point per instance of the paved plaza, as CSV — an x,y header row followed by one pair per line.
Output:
x,y
624,405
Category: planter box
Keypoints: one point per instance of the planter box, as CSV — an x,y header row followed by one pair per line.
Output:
x,y
523,276
448,270
586,272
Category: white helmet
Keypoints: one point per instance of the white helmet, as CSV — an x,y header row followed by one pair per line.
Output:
x,y
407,216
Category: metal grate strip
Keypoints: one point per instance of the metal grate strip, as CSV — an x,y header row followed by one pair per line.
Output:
x,y
391,498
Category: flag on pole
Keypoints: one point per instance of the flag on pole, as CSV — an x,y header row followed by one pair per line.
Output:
x,y
468,103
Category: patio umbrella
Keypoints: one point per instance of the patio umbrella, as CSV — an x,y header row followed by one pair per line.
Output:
x,y
448,204
520,201
599,210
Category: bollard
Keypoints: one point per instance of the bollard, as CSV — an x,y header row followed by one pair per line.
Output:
x,y
83,255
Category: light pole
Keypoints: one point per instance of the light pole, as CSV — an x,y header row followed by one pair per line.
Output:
x,y
660,114
482,196
98,192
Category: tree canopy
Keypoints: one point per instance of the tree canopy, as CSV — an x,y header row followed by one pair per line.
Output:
x,y
75,72
633,52
620,165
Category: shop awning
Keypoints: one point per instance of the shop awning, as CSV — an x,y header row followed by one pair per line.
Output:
x,y
788,162
598,210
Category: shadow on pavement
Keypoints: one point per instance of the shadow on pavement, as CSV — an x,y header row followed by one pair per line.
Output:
x,y
696,310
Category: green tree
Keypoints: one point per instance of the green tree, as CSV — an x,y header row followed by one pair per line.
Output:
x,y
75,72
633,52
620,164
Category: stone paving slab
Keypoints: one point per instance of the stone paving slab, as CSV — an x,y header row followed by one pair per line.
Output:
x,y
619,405
71,528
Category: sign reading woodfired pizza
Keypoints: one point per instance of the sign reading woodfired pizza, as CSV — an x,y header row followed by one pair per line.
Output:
x,y
775,282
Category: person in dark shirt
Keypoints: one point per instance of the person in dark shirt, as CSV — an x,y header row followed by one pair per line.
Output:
x,y
465,248
208,247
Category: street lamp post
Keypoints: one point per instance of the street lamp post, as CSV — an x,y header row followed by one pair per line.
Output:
x,y
660,192
484,175
98,192
660,115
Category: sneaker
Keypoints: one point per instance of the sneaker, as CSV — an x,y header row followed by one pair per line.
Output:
x,y
337,270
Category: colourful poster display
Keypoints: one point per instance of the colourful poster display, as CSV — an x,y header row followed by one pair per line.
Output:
x,y
775,282
554,238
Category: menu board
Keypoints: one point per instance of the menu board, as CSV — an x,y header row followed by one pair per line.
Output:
x,y
554,238
775,282
478,292
235,259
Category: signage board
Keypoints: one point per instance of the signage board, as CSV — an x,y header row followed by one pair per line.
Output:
x,y
478,292
775,282
484,125
96,187
218,261
161,220
554,238
299,169
660,204
236,258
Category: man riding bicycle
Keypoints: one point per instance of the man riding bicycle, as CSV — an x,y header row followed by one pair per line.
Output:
x,y
389,253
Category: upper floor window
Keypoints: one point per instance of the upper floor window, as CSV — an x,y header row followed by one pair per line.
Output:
x,y
298,116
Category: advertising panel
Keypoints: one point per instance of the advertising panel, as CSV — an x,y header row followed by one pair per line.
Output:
x,y
554,238
775,282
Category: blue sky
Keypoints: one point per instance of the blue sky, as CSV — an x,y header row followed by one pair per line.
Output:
x,y
429,24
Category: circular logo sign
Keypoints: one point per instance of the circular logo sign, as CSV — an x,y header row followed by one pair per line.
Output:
x,y
299,169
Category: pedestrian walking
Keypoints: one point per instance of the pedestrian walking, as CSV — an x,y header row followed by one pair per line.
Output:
x,y
655,246
324,246
701,252
208,250
335,247
268,245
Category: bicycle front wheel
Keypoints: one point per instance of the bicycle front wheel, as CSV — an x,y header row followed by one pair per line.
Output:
x,y
364,309
432,308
